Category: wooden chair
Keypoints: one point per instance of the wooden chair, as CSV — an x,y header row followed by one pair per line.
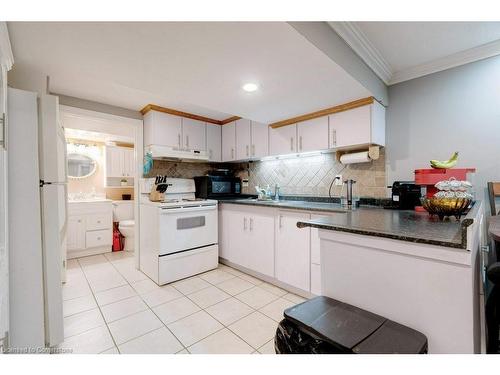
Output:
x,y
493,192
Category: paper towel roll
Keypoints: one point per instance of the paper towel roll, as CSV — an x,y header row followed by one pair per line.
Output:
x,y
355,157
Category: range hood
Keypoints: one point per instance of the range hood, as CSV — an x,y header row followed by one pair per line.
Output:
x,y
176,154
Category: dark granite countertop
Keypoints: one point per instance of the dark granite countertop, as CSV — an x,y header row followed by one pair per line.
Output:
x,y
379,222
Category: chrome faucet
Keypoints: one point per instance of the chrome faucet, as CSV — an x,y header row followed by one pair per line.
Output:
x,y
276,192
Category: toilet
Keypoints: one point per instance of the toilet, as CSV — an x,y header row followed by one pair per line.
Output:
x,y
123,213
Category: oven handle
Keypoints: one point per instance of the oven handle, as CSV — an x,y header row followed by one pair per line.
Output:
x,y
166,211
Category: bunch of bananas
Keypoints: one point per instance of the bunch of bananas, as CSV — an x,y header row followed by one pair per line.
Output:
x,y
450,163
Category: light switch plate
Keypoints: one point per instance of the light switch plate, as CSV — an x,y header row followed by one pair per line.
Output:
x,y
338,180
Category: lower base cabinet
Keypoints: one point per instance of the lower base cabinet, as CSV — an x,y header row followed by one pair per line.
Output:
x,y
292,252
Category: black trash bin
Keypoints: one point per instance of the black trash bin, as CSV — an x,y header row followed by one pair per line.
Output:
x,y
323,325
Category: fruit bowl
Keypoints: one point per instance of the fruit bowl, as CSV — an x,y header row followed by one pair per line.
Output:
x,y
443,207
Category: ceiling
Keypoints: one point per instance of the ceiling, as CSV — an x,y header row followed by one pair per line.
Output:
x,y
398,51
197,67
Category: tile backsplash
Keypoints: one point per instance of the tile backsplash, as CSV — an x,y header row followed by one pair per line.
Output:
x,y
312,175
305,175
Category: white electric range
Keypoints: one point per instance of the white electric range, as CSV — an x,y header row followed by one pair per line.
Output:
x,y
178,236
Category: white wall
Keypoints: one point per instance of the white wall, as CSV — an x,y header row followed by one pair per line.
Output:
x,y
453,110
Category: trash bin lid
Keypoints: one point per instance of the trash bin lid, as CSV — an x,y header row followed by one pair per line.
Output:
x,y
333,321
392,338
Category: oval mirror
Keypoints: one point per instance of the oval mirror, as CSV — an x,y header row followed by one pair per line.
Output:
x,y
80,166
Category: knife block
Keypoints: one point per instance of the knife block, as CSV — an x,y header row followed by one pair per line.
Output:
x,y
156,196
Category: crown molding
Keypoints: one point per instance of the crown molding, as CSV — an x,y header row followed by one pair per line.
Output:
x,y
460,58
6,56
361,45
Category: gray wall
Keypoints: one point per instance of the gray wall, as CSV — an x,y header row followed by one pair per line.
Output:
x,y
453,110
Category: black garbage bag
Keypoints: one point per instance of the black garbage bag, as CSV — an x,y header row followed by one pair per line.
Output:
x,y
290,339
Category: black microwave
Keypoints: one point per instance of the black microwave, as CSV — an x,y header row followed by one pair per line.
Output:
x,y
217,186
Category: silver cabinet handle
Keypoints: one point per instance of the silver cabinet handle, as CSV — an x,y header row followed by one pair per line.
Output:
x,y
98,221
280,223
247,150
98,238
291,143
210,153
179,139
251,224
187,140
334,138
232,153
253,150
80,221
244,223
3,141
300,143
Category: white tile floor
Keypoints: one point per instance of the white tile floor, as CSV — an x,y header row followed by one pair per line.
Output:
x,y
111,308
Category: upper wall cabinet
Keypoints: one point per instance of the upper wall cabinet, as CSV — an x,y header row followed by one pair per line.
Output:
x,y
229,141
170,130
260,140
358,126
312,135
243,139
119,161
214,140
283,140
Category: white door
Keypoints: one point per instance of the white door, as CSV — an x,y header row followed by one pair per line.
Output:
x,y
260,140
214,134
167,129
114,162
4,260
293,261
283,140
313,134
243,139
351,127
260,244
229,141
194,134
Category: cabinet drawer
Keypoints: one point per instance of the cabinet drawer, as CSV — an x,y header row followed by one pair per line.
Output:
x,y
98,221
99,238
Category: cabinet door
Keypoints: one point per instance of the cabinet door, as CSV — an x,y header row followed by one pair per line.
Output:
x,y
243,139
293,261
316,279
128,162
76,233
229,141
350,127
114,162
283,140
166,130
313,134
194,134
233,231
259,244
260,140
214,135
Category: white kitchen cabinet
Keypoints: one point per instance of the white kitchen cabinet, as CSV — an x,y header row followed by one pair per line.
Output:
x,y
312,135
359,126
119,162
90,228
229,141
316,279
214,139
292,252
260,140
283,140
247,237
162,129
193,134
243,139
315,257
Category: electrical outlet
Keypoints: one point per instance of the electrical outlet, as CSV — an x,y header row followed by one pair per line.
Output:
x,y
338,180
244,183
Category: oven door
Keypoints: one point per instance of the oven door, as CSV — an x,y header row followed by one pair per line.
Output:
x,y
190,228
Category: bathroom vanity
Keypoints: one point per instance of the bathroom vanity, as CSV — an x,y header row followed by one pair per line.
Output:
x,y
90,227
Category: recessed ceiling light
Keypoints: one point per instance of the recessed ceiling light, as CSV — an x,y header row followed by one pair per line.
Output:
x,y
250,87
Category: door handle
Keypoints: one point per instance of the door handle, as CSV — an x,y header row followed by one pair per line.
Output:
x,y
251,224
244,223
